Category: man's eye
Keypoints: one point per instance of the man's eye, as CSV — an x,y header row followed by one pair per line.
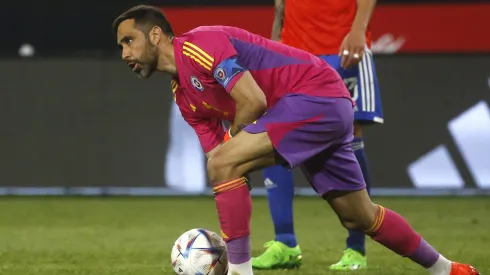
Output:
x,y
127,40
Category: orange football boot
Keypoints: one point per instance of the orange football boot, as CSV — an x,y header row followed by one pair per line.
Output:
x,y
463,269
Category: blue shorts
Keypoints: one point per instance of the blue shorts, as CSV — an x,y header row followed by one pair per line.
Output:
x,y
362,83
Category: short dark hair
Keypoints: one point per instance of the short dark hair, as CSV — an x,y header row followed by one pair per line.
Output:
x,y
145,18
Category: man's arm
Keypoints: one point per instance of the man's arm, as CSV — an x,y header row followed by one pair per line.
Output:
x,y
363,15
278,20
250,101
213,151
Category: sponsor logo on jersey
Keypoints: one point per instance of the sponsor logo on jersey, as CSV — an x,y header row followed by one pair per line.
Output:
x,y
197,84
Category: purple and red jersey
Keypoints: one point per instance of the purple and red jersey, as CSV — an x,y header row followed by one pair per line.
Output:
x,y
211,59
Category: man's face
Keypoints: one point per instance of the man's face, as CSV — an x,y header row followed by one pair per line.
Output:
x,y
137,51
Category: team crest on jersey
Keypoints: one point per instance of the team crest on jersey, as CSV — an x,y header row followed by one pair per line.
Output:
x,y
220,74
197,84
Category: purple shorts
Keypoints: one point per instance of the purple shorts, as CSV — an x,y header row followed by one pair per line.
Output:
x,y
315,133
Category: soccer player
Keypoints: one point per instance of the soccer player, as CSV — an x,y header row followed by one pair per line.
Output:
x,y
286,106
337,32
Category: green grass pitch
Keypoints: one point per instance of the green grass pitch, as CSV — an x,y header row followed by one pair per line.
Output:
x,y
54,236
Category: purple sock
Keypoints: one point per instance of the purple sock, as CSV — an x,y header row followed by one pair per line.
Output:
x,y
425,255
239,250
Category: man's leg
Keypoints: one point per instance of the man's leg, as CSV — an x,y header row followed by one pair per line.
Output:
x,y
290,128
339,179
300,126
354,256
242,154
362,82
356,211
280,192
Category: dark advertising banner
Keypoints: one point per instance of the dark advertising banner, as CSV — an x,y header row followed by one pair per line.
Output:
x,y
81,123
93,123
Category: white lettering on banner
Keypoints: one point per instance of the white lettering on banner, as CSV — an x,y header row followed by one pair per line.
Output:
x,y
435,169
387,44
471,134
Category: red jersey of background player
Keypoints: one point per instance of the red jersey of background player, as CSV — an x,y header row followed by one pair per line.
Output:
x,y
318,26
210,60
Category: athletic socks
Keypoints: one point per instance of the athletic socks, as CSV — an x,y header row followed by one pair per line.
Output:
x,y
280,191
393,231
234,206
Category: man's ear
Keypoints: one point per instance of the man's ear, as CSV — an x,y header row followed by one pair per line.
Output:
x,y
155,35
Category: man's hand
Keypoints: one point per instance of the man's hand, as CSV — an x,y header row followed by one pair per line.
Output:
x,y
352,48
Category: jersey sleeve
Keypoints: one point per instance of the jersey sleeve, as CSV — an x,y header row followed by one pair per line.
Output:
x,y
210,131
214,55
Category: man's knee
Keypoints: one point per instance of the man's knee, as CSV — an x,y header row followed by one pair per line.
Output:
x,y
240,155
354,209
359,221
220,169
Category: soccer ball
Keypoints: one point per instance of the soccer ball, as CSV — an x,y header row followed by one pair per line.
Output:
x,y
199,252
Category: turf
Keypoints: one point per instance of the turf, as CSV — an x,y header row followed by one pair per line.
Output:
x,y
52,236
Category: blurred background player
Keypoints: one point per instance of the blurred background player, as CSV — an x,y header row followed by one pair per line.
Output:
x,y
338,32
185,165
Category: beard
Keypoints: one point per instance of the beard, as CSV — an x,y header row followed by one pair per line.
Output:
x,y
147,62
